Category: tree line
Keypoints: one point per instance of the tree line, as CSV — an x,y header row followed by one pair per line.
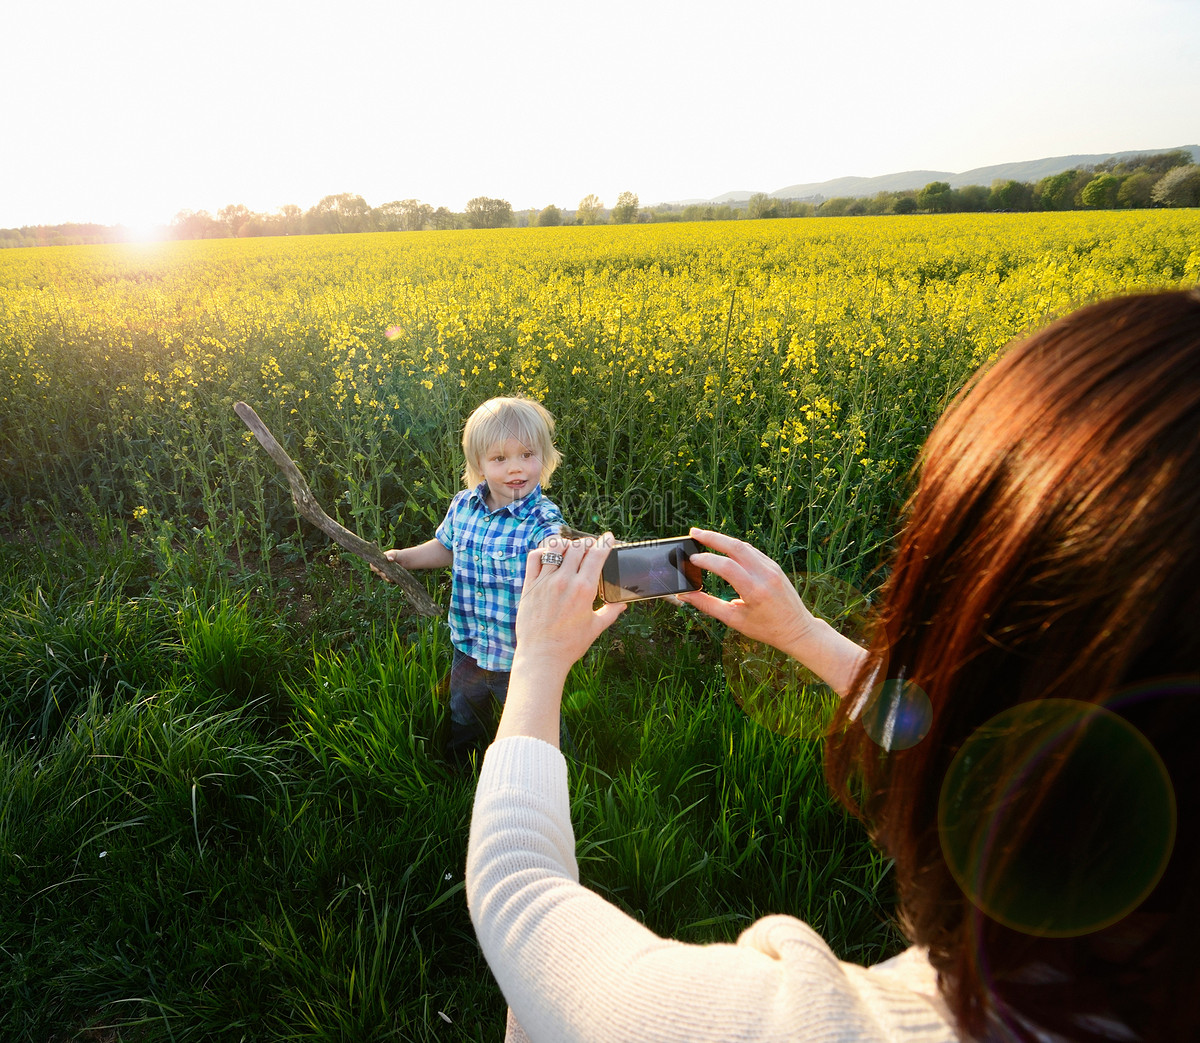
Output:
x,y
1166,179
336,214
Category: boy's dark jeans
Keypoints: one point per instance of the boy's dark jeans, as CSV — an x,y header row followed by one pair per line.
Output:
x,y
475,694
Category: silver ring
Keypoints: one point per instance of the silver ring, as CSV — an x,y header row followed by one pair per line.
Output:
x,y
549,557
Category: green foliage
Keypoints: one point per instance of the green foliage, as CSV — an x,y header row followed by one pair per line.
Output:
x,y
232,656
762,206
484,212
550,217
588,212
708,212
1011,195
971,199
626,210
180,866
1179,186
1058,191
1101,192
344,212
935,197
1155,165
403,215
1136,189
71,647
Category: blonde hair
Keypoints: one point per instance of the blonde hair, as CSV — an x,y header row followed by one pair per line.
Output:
x,y
498,420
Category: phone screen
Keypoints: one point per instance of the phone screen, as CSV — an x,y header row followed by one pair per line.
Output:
x,y
655,569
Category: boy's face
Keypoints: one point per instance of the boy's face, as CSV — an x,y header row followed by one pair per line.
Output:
x,y
512,470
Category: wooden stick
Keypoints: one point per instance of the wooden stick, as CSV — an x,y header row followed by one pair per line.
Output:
x,y
308,506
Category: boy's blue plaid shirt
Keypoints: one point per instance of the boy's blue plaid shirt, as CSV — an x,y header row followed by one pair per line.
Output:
x,y
489,550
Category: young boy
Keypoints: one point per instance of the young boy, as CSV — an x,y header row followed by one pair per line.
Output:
x,y
489,529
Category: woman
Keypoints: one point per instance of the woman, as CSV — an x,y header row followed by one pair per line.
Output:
x,y
1045,600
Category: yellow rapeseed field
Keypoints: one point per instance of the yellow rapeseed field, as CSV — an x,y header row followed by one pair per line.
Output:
x,y
773,378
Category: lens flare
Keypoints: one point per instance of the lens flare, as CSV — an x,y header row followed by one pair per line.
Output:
x,y
1057,818
897,714
774,690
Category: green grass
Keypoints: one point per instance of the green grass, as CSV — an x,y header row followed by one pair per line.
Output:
x,y
226,827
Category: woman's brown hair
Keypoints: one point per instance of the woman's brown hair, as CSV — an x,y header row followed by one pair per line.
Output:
x,y
1049,564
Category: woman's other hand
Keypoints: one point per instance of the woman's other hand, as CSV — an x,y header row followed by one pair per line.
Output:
x,y
768,608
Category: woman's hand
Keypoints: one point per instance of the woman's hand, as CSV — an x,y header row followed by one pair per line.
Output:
x,y
556,624
768,608
556,621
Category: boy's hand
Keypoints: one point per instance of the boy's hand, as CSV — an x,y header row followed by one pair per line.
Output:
x,y
395,555
428,555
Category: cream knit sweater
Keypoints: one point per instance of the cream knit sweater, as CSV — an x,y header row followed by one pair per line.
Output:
x,y
574,967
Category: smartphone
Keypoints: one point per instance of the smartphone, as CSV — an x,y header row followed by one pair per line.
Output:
x,y
653,569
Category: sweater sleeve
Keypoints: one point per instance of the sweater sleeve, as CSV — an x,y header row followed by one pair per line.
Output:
x,y
574,967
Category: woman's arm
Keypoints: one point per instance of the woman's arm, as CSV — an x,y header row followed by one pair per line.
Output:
x,y
572,966
769,609
556,624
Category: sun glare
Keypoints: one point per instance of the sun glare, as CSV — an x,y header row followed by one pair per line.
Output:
x,y
144,232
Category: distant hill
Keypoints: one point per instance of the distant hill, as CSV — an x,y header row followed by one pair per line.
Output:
x,y
1031,170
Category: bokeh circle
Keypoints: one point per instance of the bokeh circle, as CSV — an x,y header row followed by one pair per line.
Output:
x,y
774,690
1057,818
897,714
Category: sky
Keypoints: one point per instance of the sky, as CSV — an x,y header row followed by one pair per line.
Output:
x,y
131,111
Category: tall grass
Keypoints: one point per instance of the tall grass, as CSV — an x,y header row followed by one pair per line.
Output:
x,y
230,829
